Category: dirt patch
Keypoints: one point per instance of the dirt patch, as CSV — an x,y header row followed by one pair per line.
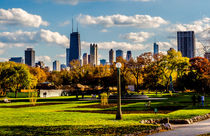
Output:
x,y
30,105
113,112
162,110
98,106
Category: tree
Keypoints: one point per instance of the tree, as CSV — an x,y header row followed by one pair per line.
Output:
x,y
16,76
39,74
137,67
200,71
172,64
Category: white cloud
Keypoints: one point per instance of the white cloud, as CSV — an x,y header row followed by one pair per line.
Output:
x,y
53,37
137,37
19,38
197,26
2,51
18,16
164,46
75,2
104,30
3,59
61,55
46,59
116,45
71,2
10,45
67,22
139,0
140,21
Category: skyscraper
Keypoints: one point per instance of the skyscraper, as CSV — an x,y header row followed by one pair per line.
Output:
x,y
94,54
111,56
67,56
207,55
119,53
30,57
129,55
16,59
156,48
75,47
186,43
63,66
85,59
56,65
40,64
103,62
89,59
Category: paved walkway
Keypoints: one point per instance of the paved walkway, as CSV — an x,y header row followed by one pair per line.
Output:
x,y
188,130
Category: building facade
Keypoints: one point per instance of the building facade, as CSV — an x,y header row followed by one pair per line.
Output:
x,y
56,65
111,56
75,47
40,64
156,48
207,55
119,53
186,43
16,59
129,55
85,59
63,66
103,62
67,57
30,57
94,54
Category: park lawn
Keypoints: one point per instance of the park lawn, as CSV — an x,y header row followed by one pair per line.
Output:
x,y
51,120
56,120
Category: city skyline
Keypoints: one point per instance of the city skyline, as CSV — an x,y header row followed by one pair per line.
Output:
x,y
48,26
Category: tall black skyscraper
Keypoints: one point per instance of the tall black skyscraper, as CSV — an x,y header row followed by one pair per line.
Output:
x,y
67,56
129,55
30,57
119,53
156,48
111,56
186,43
75,46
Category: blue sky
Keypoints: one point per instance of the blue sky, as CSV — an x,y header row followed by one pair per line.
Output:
x,y
132,25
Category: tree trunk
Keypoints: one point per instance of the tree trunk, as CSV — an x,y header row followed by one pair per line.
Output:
x,y
77,94
137,83
16,93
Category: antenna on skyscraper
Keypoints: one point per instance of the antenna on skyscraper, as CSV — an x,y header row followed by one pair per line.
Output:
x,y
72,25
77,27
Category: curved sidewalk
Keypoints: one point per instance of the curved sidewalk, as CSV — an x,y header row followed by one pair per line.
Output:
x,y
194,129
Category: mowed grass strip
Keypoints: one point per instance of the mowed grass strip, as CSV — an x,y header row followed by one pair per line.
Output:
x,y
53,120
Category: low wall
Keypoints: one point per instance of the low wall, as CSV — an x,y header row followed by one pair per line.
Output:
x,y
50,93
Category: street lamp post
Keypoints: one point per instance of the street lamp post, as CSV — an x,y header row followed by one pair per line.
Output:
x,y
119,112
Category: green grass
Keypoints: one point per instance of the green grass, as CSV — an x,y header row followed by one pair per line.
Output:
x,y
52,120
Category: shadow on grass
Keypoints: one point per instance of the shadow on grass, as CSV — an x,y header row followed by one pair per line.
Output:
x,y
72,130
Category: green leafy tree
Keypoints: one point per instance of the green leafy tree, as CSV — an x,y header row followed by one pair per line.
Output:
x,y
16,76
172,64
39,74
